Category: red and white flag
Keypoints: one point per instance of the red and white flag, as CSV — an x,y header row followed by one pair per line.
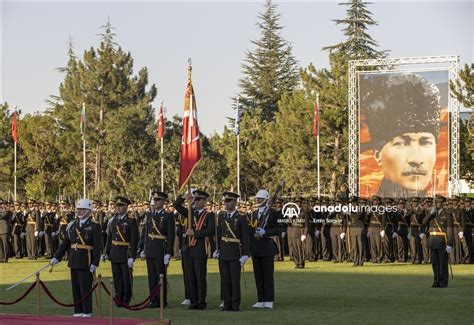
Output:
x,y
161,123
190,143
316,120
14,128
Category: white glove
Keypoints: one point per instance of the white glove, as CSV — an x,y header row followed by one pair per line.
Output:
x,y
260,232
41,233
130,262
167,259
342,235
54,261
104,257
142,254
53,234
243,259
460,234
56,217
303,237
215,254
382,233
316,233
368,235
433,210
22,235
449,249
36,233
422,236
283,234
13,233
92,268
394,235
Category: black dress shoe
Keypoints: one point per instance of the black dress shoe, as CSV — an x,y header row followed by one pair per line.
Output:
x,y
435,285
235,309
192,307
153,305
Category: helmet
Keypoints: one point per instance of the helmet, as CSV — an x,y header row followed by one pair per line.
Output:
x,y
262,194
84,204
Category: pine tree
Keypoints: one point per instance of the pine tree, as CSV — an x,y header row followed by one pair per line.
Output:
x,y
6,152
463,88
358,43
270,70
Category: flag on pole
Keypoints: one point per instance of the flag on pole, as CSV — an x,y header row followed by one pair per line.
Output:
x,y
161,122
237,122
14,128
83,120
316,120
190,143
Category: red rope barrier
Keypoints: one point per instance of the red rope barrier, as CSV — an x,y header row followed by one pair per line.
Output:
x,y
50,295
140,306
22,296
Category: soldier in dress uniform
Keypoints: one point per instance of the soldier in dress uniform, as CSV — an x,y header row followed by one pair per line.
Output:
x,y
439,223
297,227
181,227
263,250
337,233
414,217
233,250
83,241
467,232
356,230
194,253
376,231
402,232
459,221
279,256
18,232
65,216
121,248
389,240
48,229
156,244
5,229
32,230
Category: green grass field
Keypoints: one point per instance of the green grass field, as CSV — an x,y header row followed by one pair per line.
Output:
x,y
324,292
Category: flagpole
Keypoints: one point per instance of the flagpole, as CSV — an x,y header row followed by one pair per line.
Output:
x,y
14,164
238,151
162,171
84,151
317,144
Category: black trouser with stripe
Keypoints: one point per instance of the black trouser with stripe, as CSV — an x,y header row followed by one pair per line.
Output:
x,y
196,272
155,267
31,244
122,281
81,281
230,283
263,270
358,251
439,262
4,248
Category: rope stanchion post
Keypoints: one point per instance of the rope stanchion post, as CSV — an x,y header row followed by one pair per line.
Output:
x,y
99,295
38,295
162,277
112,294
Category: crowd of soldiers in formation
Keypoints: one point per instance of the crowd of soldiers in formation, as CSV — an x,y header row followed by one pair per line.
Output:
x,y
416,230
35,229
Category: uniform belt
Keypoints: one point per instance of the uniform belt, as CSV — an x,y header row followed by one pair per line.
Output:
x,y
375,223
457,224
297,225
48,224
63,223
18,225
416,224
437,233
230,240
81,246
31,223
120,243
152,236
403,223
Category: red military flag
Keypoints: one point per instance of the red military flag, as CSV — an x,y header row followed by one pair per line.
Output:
x,y
14,128
316,120
161,123
190,143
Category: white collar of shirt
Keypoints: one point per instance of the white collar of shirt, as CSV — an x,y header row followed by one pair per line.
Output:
x,y
158,211
81,221
201,210
122,216
230,213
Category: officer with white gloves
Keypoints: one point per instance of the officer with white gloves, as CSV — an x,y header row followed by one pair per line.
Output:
x,y
157,243
83,240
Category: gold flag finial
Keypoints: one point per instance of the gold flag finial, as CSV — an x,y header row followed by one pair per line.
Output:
x,y
190,68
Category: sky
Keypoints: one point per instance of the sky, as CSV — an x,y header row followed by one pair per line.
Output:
x,y
216,35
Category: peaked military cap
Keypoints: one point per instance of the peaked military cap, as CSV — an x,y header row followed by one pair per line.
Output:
x,y
440,198
122,200
157,195
230,196
200,194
